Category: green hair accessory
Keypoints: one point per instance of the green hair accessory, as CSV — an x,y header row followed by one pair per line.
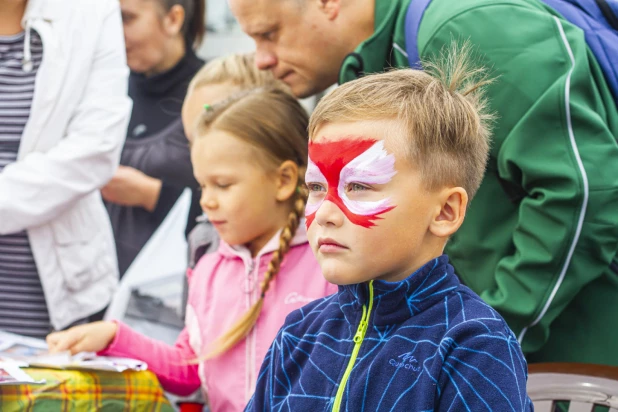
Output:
x,y
207,107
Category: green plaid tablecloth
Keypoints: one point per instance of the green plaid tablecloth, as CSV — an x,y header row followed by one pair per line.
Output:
x,y
86,391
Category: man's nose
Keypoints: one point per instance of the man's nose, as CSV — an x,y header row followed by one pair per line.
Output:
x,y
265,59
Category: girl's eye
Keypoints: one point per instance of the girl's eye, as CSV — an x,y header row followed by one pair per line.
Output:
x,y
357,187
316,187
223,185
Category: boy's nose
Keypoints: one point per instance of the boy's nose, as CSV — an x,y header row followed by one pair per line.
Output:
x,y
329,214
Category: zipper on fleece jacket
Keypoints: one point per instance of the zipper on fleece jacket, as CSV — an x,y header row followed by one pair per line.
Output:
x,y
358,341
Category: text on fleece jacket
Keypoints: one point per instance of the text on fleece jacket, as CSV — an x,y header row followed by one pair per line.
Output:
x,y
223,285
426,343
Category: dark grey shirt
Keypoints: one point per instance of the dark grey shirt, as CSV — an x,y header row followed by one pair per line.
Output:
x,y
22,304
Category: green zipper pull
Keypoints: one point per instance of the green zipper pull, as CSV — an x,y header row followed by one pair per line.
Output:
x,y
359,336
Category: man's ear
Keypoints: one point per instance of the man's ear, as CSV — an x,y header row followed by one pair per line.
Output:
x,y
453,205
173,20
287,180
330,7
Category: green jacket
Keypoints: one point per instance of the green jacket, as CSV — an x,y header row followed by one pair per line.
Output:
x,y
540,236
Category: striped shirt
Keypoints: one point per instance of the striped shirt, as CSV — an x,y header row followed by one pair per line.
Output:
x,y
22,304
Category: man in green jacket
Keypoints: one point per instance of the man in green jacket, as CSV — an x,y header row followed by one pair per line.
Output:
x,y
539,242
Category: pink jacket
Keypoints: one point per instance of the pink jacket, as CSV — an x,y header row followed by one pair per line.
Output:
x,y
222,287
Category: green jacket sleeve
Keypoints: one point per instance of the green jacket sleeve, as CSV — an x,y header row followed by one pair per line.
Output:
x,y
555,140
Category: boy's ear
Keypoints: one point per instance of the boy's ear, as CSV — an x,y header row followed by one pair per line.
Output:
x,y
330,8
174,19
453,205
287,180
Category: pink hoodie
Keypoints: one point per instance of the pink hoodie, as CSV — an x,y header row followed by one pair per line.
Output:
x,y
223,286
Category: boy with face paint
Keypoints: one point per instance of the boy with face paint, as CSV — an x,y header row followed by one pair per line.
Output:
x,y
394,160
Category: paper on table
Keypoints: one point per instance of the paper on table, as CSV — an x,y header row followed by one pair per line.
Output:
x,y
10,374
22,351
86,361
17,347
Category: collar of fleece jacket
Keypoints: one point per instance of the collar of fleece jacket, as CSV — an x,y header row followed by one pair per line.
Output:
x,y
395,302
430,344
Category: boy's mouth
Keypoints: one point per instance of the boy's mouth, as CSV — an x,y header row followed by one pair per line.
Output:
x,y
328,245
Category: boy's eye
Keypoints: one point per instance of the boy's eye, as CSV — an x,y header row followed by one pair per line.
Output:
x,y
316,187
357,187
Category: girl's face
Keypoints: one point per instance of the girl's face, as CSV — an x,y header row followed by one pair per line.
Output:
x,y
241,198
151,36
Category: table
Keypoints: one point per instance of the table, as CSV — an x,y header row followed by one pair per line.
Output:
x,y
86,391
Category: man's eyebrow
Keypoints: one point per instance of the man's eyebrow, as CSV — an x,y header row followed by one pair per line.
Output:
x,y
261,28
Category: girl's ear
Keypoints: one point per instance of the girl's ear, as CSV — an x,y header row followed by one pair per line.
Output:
x,y
451,213
287,180
173,20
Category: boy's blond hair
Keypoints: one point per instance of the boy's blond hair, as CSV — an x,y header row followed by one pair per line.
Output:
x,y
442,113
237,69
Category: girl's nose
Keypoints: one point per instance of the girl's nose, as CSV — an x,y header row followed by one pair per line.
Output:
x,y
208,201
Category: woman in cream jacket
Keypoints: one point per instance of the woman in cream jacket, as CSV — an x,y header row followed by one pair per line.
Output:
x,y
68,150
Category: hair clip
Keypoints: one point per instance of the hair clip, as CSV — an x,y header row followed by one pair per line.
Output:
x,y
207,107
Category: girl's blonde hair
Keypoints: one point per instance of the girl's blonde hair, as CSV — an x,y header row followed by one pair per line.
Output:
x,y
272,121
445,125
238,69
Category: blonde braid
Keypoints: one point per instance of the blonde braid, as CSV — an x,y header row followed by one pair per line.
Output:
x,y
244,325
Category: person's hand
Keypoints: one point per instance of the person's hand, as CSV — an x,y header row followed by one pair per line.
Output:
x,y
92,337
131,187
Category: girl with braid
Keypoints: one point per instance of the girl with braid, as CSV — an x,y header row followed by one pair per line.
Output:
x,y
249,154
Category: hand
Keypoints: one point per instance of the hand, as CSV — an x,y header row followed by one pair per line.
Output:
x,y
92,337
131,187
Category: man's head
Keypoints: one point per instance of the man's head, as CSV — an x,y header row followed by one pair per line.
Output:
x,y
393,160
304,42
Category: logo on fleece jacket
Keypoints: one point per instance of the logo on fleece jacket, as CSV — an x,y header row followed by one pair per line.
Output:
x,y
407,361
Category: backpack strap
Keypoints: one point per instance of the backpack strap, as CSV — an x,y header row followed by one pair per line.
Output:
x,y
609,8
414,15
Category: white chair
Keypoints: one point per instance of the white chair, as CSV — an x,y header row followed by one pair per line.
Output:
x,y
583,385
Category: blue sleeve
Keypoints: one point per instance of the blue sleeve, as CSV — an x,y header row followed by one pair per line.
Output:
x,y
483,370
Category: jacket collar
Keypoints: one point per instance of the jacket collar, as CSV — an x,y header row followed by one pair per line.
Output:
x,y
374,54
42,9
161,84
395,302
242,252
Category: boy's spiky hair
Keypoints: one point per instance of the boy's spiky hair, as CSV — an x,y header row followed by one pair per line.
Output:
x,y
441,111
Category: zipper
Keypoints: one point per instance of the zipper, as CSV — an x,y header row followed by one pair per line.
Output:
x,y
358,341
252,277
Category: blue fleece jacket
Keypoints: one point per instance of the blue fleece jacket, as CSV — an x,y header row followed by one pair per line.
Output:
x,y
427,343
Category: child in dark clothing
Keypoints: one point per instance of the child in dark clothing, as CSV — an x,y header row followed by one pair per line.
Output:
x,y
394,159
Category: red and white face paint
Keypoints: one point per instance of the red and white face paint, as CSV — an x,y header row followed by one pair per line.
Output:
x,y
335,166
